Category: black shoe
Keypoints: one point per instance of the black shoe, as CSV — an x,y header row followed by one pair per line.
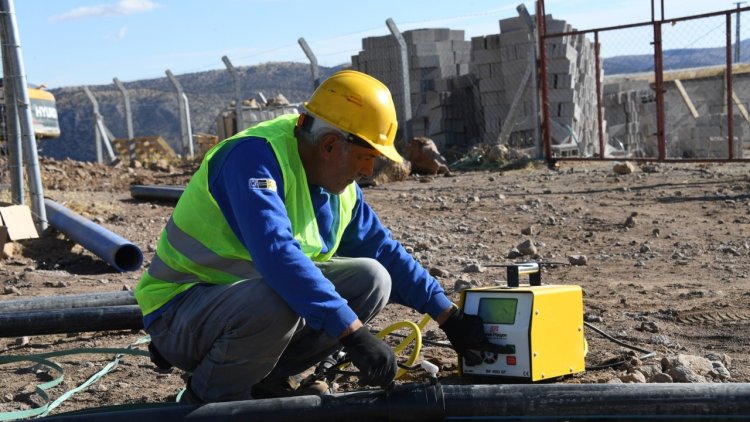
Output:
x,y
189,397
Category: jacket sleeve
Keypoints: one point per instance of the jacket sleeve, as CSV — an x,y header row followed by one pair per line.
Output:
x,y
412,286
259,220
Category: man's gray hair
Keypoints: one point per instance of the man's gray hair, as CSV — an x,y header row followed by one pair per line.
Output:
x,y
319,128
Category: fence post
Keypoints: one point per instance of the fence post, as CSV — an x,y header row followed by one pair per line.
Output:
x,y
13,130
19,84
542,32
730,89
524,14
187,143
101,130
128,121
406,116
313,62
659,81
240,125
599,105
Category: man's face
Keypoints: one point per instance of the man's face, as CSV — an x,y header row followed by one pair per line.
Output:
x,y
346,163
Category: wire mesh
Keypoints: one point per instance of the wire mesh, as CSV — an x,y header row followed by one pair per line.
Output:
x,y
667,91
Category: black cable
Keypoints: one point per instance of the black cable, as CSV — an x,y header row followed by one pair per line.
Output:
x,y
647,353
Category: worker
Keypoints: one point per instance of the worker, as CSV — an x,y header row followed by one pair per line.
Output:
x,y
272,260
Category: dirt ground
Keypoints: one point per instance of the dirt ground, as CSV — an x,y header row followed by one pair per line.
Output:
x,y
666,249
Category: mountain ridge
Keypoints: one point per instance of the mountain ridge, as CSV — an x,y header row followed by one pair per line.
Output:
x,y
155,109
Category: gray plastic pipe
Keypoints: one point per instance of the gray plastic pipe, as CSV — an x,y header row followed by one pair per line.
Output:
x,y
60,321
87,300
118,252
420,402
158,193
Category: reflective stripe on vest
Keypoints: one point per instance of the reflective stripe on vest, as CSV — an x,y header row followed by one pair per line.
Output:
x,y
198,245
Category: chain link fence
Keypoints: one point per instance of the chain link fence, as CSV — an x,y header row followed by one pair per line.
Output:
x,y
670,90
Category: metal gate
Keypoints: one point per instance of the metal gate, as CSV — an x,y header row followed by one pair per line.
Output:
x,y
663,90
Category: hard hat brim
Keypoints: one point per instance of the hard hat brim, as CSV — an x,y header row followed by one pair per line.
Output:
x,y
388,152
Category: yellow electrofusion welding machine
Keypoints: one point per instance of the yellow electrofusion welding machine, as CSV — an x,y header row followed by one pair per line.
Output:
x,y
539,327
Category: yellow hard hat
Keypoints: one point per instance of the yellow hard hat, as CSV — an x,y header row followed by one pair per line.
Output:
x,y
360,105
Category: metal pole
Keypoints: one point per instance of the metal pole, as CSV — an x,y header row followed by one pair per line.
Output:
x,y
659,86
531,26
18,75
406,90
730,90
188,125
313,62
101,132
737,33
13,131
128,121
542,31
240,124
599,105
187,144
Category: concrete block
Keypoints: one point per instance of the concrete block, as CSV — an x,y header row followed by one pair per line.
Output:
x,y
424,61
462,56
559,65
558,50
485,56
425,35
554,26
561,80
516,37
512,24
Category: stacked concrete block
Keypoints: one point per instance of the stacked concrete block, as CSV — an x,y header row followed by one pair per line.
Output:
x,y
487,67
697,130
433,55
501,64
450,114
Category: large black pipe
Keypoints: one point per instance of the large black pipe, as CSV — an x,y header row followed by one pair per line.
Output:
x,y
114,249
59,321
417,402
87,300
158,193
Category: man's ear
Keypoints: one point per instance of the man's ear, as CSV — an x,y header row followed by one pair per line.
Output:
x,y
327,144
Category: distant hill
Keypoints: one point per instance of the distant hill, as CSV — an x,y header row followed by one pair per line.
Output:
x,y
673,59
155,108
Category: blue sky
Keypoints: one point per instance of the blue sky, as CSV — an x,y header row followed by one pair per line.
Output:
x,y
77,42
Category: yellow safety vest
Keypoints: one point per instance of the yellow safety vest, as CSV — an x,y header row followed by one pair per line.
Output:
x,y
198,245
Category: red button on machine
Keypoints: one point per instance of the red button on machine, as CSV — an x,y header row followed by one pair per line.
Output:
x,y
510,360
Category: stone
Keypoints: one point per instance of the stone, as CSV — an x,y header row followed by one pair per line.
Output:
x,y
474,268
623,168
661,378
462,285
577,260
425,157
527,248
633,377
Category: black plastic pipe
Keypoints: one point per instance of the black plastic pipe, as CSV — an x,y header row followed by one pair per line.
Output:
x,y
87,300
418,402
118,252
157,193
59,321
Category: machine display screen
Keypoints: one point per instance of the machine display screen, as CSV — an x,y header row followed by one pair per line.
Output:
x,y
498,310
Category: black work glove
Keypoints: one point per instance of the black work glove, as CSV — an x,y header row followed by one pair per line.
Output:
x,y
466,334
375,360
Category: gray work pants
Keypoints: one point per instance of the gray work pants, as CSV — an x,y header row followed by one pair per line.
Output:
x,y
232,336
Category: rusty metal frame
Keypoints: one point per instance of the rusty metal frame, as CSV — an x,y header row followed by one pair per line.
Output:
x,y
656,24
